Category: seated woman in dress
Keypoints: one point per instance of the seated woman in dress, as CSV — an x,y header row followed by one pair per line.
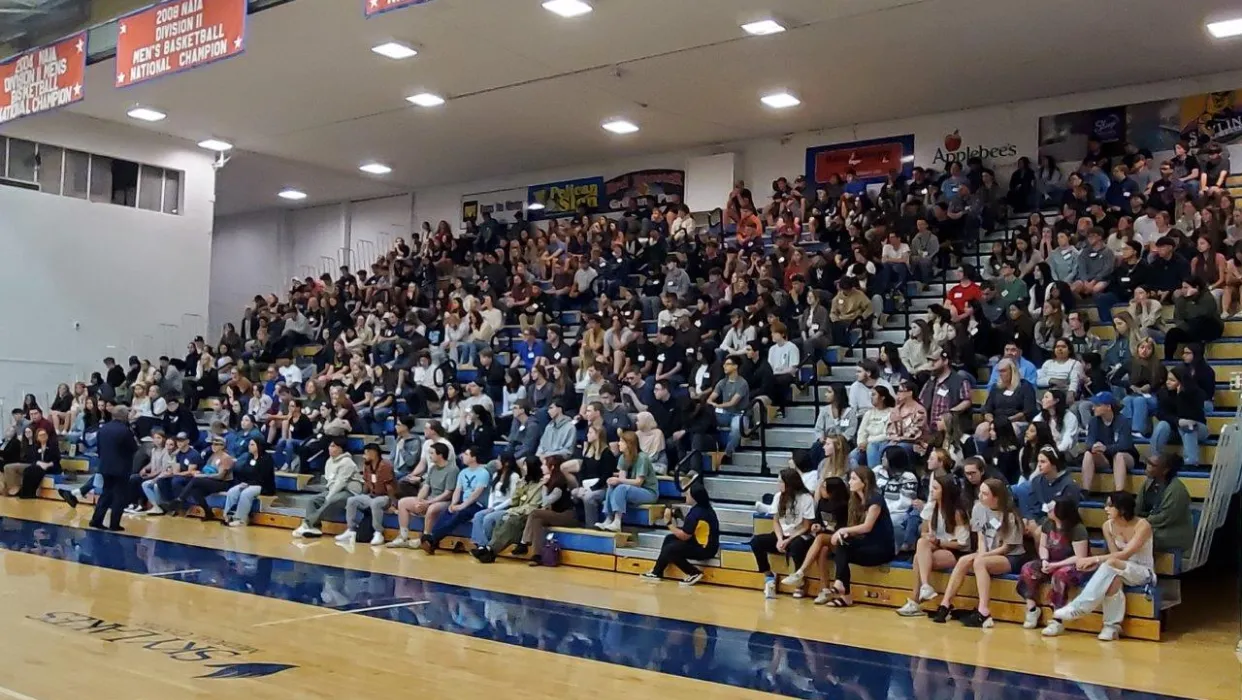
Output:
x,y
1129,562
999,551
866,540
1062,544
945,537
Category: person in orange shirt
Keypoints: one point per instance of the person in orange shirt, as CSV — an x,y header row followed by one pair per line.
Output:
x,y
749,229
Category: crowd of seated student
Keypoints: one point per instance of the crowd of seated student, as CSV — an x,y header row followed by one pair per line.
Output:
x,y
602,414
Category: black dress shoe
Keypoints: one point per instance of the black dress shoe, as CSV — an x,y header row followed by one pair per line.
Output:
x,y
487,556
97,526
69,498
521,550
116,528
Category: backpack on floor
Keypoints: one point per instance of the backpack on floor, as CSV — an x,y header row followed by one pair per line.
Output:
x,y
551,555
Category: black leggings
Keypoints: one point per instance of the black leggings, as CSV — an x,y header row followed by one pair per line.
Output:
x,y
680,552
196,492
765,544
866,551
783,384
1199,330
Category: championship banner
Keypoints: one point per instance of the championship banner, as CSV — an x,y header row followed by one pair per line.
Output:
x,y
648,188
175,36
558,199
503,205
372,8
43,79
870,160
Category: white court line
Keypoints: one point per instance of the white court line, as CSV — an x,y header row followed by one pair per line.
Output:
x,y
343,612
175,573
13,694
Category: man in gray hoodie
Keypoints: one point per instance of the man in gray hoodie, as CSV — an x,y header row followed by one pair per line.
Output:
x,y
559,435
1095,265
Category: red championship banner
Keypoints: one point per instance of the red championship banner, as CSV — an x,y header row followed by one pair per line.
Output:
x,y
43,79
174,36
374,7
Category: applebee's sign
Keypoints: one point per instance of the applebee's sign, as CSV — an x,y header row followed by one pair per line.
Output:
x,y
954,151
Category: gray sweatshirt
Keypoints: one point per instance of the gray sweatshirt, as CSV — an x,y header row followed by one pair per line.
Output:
x,y
1064,264
1095,265
558,438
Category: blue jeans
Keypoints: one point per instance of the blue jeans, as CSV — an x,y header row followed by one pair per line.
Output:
x,y
874,451
449,522
732,422
239,500
468,352
482,525
284,452
895,276
1104,303
376,419
1190,440
1138,409
906,531
619,498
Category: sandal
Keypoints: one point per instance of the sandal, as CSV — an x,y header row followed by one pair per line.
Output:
x,y
839,603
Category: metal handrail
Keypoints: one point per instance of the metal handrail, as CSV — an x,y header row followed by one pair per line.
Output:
x,y
763,431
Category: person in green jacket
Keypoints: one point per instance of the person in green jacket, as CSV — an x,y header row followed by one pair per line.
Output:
x,y
1165,503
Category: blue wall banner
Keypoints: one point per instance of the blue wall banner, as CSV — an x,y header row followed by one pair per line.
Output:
x,y
563,198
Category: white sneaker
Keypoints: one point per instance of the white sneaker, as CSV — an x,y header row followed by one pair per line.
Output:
x,y
823,597
926,593
691,580
648,577
400,542
1067,613
301,530
347,537
1053,629
377,539
153,510
793,580
313,532
1032,618
133,510
910,609
613,525
769,589
77,493
1109,633
237,523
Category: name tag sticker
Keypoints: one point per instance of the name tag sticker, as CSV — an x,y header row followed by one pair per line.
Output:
x,y
943,391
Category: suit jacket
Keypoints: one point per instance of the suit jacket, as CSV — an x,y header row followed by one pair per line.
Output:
x,y
116,449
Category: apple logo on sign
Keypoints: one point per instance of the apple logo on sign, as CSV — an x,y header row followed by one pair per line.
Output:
x,y
953,141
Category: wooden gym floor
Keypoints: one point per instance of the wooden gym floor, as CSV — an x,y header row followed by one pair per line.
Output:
x,y
192,609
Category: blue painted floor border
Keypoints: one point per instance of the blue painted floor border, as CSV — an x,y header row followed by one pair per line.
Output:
x,y
721,655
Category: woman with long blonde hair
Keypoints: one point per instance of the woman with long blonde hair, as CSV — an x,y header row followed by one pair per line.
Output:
x,y
836,450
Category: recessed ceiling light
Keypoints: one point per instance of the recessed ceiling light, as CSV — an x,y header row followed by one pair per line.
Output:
x,y
215,145
1225,28
567,8
426,99
394,50
780,100
620,126
534,206
292,194
146,114
376,169
763,27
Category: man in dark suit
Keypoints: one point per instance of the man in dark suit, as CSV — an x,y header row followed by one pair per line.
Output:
x,y
116,458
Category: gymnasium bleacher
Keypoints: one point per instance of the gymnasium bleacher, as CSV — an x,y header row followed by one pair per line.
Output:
x,y
736,484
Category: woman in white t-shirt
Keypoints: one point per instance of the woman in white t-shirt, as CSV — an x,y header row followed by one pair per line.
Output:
x,y
791,527
946,536
999,551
